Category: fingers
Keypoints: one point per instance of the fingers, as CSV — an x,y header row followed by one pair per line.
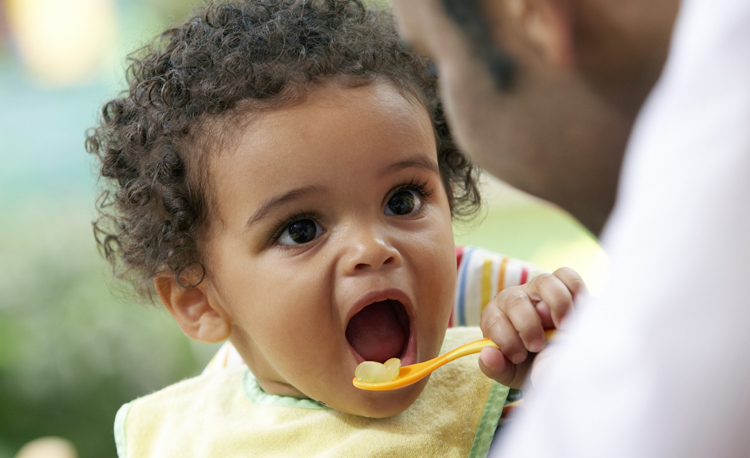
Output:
x,y
497,367
516,318
572,280
511,321
557,291
545,314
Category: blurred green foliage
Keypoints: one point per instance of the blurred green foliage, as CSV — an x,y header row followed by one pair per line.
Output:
x,y
70,353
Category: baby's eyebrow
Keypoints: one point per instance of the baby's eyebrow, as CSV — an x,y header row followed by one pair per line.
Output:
x,y
281,199
418,161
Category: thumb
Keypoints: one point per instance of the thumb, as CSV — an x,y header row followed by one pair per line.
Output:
x,y
496,366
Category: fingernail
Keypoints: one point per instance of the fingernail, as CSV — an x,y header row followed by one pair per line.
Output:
x,y
536,346
518,358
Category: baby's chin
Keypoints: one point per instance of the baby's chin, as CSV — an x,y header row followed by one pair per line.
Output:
x,y
377,404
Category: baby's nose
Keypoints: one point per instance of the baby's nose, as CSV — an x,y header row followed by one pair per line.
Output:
x,y
370,251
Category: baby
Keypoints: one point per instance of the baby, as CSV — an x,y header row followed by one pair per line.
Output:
x,y
280,175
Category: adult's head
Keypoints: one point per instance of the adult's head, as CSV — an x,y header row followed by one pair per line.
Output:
x,y
543,93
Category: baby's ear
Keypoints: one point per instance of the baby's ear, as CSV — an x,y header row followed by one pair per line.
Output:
x,y
191,308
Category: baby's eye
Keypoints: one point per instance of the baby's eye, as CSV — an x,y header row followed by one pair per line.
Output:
x,y
299,232
404,202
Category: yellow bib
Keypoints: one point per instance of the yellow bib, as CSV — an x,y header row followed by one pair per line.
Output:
x,y
226,414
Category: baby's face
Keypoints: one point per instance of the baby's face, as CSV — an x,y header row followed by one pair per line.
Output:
x,y
333,244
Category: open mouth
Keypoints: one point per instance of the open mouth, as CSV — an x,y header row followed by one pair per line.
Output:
x,y
379,331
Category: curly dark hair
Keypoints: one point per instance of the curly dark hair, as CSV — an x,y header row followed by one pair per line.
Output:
x,y
150,141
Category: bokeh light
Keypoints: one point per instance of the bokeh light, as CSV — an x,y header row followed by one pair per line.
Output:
x,y
63,42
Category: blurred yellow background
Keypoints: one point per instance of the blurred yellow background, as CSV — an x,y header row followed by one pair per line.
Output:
x,y
71,352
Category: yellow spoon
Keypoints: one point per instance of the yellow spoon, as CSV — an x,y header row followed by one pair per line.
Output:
x,y
415,372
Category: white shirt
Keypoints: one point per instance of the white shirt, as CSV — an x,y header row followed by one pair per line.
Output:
x,y
659,365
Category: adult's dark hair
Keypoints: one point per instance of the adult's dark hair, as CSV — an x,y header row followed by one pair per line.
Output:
x,y
154,142
469,16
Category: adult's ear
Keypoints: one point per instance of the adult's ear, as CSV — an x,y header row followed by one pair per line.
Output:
x,y
546,25
191,308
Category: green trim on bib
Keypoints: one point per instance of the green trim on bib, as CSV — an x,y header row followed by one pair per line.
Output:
x,y
122,414
258,397
488,424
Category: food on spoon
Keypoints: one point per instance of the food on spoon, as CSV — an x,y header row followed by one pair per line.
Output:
x,y
375,372
394,366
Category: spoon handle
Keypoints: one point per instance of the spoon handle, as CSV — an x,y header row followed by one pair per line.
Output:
x,y
476,347
468,349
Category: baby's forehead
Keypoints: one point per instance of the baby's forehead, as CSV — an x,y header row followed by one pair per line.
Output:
x,y
299,110
335,132
330,112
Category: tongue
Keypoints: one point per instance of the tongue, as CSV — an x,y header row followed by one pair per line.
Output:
x,y
376,333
